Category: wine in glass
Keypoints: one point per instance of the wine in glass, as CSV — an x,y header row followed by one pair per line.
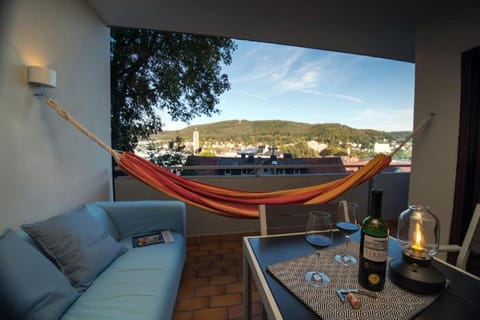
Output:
x,y
319,234
347,223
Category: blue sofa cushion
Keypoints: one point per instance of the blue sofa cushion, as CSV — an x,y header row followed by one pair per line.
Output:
x,y
142,284
31,287
80,246
103,218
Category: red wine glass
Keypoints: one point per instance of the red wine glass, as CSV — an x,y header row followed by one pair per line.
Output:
x,y
319,235
347,223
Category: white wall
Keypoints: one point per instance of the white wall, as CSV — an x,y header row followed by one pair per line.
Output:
x,y
440,41
46,165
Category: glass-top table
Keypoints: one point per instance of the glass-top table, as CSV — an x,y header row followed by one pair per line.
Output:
x,y
459,301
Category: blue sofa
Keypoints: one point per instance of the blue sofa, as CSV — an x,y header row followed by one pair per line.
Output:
x,y
143,282
140,283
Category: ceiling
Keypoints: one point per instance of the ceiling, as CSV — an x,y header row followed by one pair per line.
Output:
x,y
380,28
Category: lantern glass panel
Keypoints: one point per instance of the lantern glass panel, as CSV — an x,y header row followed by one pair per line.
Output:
x,y
419,230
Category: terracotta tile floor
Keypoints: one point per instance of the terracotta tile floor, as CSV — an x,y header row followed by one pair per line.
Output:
x,y
211,286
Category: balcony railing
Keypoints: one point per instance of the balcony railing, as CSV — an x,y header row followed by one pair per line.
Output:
x,y
276,169
394,181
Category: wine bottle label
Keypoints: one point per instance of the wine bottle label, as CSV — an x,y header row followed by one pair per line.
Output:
x,y
375,249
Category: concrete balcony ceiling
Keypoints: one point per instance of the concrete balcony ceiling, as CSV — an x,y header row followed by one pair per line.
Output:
x,y
377,28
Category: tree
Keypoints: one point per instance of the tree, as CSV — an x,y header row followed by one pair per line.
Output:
x,y
300,150
152,70
327,152
175,156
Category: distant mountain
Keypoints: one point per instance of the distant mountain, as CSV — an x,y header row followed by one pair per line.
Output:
x,y
276,132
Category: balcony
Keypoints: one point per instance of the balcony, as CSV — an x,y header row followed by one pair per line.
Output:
x,y
392,180
211,286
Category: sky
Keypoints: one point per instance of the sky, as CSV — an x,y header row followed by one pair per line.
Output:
x,y
278,82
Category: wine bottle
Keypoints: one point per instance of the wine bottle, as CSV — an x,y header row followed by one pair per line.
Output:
x,y
373,246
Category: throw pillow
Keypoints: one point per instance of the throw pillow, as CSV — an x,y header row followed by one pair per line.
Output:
x,y
78,243
31,287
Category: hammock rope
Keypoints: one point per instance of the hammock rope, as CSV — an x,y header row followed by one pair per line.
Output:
x,y
228,201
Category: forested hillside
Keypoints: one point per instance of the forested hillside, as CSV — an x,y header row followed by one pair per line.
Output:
x,y
277,132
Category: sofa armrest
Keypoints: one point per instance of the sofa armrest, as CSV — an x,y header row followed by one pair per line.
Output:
x,y
134,217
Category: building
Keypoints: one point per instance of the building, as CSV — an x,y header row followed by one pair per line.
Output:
x,y
273,166
382,148
196,141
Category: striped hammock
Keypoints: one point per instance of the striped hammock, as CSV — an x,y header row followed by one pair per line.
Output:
x,y
227,201
240,203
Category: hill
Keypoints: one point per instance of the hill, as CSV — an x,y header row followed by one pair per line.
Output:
x,y
276,132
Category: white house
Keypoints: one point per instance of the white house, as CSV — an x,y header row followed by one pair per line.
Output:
x,y
382,148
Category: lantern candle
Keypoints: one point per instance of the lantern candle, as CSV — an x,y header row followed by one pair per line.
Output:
x,y
418,235
418,243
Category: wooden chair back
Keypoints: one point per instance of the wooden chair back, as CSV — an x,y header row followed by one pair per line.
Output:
x,y
471,242
279,219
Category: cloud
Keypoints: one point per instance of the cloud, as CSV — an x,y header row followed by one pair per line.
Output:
x,y
335,95
385,119
251,95
275,70
264,62
306,74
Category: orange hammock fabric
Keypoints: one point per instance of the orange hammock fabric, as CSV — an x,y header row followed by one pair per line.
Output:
x,y
226,201
240,203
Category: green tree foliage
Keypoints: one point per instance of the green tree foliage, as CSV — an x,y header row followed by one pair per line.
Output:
x,y
333,151
152,70
402,155
277,132
175,155
207,153
327,152
299,150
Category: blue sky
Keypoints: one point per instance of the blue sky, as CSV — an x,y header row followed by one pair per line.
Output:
x,y
277,82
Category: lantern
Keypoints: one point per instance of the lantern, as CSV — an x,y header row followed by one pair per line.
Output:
x,y
418,235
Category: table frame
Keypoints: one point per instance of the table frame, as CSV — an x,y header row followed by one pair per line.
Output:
x,y
251,263
253,270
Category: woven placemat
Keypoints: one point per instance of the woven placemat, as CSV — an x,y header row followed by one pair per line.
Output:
x,y
392,303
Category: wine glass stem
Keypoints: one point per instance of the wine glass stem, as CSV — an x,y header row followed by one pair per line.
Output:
x,y
347,242
317,262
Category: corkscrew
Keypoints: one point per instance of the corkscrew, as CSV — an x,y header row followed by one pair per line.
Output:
x,y
343,292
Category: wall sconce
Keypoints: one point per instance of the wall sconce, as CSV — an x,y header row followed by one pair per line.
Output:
x,y
42,77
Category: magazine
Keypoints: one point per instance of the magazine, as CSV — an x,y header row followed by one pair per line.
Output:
x,y
146,239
